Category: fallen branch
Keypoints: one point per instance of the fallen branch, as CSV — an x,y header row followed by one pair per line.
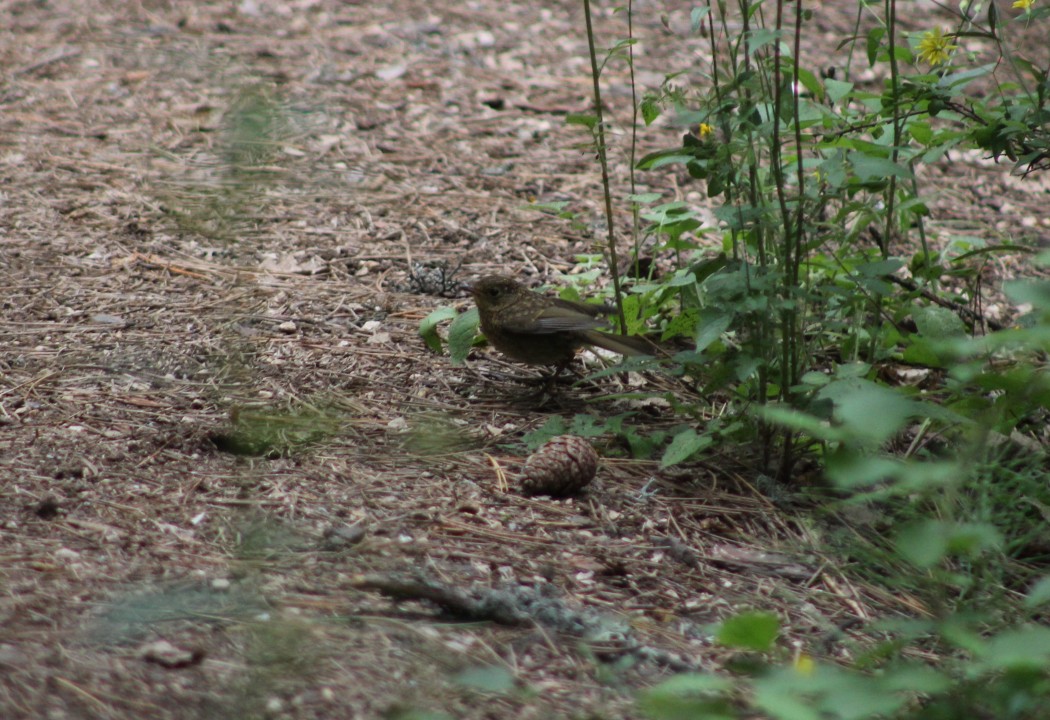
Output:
x,y
519,606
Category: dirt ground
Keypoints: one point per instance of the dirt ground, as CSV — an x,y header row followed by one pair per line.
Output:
x,y
230,215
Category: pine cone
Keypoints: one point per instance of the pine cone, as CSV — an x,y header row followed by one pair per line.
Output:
x,y
563,466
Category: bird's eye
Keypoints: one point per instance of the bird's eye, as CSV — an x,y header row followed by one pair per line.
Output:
x,y
494,292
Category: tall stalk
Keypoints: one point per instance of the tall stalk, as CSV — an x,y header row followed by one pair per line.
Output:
x,y
599,135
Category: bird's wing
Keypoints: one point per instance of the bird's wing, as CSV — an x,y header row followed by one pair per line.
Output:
x,y
549,319
588,309
567,316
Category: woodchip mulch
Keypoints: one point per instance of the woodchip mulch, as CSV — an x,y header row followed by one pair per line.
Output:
x,y
217,221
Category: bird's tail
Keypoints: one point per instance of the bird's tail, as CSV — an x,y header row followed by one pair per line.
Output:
x,y
624,344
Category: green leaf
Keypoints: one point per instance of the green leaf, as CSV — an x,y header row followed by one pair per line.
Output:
x,y
684,445
781,702
955,632
687,697
643,445
852,370
915,206
867,412
697,16
650,110
1039,595
428,328
915,678
461,334
837,89
490,679
1023,648
928,476
669,212
750,630
814,378
416,714
879,267
760,37
587,425
938,323
926,542
690,684
793,419
921,352
956,81
923,543
874,39
588,120
663,157
681,325
921,131
645,198
826,692
903,54
632,311
1034,292
852,470
871,167
554,427
552,208
711,329
811,83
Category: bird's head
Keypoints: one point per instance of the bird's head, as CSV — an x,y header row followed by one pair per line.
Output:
x,y
496,291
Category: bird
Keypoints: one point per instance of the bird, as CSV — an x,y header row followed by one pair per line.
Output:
x,y
539,330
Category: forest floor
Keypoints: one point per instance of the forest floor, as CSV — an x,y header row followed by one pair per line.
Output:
x,y
222,224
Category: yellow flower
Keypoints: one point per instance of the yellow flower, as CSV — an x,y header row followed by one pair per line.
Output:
x,y
804,665
1025,5
705,131
935,48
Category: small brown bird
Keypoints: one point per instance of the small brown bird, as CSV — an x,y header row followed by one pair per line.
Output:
x,y
538,330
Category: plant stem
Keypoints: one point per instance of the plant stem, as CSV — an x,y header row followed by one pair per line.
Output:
x,y
599,134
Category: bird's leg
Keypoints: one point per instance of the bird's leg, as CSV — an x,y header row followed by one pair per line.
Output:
x,y
544,387
552,378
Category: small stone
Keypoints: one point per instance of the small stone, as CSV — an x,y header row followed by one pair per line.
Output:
x,y
391,72
106,319
339,537
12,657
64,555
165,654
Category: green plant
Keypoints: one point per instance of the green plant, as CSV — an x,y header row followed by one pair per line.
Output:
x,y
821,209
819,205
826,274
817,190
1004,674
